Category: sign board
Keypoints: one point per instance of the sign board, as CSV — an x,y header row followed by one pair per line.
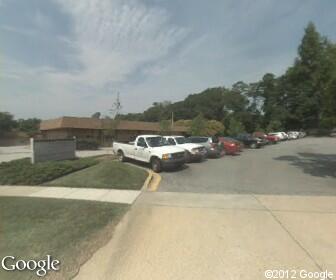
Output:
x,y
52,149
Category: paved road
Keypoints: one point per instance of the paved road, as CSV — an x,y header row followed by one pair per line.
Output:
x,y
306,167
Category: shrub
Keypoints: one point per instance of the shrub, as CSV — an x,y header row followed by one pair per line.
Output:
x,y
23,172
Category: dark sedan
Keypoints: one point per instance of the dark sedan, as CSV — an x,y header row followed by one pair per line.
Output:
x,y
249,141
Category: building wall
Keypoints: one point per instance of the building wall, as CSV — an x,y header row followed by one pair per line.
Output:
x,y
54,134
102,137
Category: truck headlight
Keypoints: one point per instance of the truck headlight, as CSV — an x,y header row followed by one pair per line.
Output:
x,y
166,156
194,150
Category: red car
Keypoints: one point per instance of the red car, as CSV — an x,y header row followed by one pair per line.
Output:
x,y
231,146
272,139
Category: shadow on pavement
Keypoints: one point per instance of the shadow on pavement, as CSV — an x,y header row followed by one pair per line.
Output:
x,y
320,165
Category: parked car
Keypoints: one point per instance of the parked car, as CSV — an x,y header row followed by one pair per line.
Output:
x,y
281,135
333,133
302,134
239,144
152,149
231,146
249,141
209,143
271,139
285,135
293,135
194,152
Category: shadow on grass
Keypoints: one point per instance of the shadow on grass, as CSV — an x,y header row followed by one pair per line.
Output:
x,y
148,166
319,165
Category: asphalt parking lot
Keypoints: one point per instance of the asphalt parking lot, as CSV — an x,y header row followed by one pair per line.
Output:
x,y
301,167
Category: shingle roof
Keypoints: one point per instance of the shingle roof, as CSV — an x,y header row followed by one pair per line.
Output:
x,y
92,123
71,122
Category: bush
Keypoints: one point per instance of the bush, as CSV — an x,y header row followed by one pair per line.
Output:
x,y
235,127
87,145
23,172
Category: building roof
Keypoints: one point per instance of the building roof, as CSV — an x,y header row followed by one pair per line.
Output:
x,y
93,123
71,122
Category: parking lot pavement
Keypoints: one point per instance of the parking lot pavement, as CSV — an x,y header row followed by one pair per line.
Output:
x,y
231,218
301,167
14,152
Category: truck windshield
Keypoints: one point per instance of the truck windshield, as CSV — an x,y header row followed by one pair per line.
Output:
x,y
180,140
156,141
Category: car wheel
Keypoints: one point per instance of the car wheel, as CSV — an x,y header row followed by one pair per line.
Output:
x,y
121,156
156,165
253,145
188,157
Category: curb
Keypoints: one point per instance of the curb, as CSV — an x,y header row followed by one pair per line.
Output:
x,y
155,182
149,178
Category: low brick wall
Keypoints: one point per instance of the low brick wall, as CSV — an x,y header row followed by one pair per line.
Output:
x,y
52,149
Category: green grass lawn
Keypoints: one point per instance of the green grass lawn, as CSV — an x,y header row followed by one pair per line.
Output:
x,y
68,230
22,172
107,174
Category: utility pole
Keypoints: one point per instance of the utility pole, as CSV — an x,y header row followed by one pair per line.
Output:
x,y
172,120
116,107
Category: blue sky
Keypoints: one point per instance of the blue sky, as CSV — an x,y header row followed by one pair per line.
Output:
x,y
70,57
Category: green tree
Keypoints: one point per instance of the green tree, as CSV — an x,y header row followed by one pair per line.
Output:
x,y
274,125
328,114
165,127
198,125
7,122
96,115
158,111
213,128
235,127
30,126
306,81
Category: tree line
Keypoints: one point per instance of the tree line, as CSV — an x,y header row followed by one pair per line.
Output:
x,y
29,126
304,97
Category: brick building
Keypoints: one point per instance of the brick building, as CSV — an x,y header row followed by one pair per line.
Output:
x,y
101,130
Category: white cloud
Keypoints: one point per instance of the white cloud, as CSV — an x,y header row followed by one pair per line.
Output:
x,y
115,37
112,39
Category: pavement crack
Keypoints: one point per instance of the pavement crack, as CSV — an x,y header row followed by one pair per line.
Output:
x,y
296,241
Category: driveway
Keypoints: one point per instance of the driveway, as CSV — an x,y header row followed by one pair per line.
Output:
x,y
231,218
14,152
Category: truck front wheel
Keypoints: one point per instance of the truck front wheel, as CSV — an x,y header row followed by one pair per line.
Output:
x,y
121,156
156,165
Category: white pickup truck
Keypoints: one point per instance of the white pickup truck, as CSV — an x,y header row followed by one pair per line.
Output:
x,y
152,149
194,152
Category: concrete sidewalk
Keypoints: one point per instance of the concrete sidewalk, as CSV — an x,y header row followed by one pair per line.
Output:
x,y
215,236
106,195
